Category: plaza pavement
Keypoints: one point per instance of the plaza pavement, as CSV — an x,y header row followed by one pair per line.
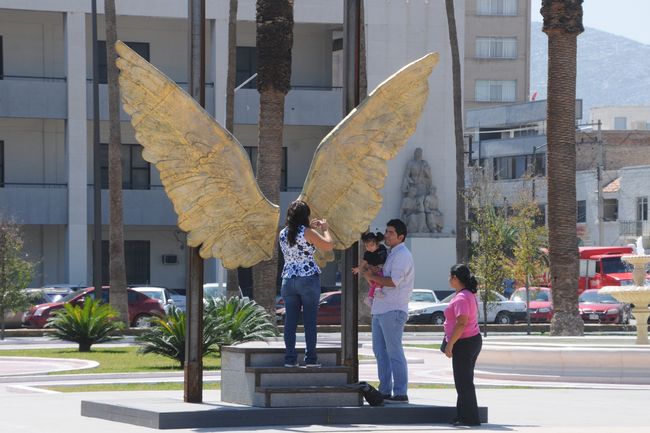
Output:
x,y
530,407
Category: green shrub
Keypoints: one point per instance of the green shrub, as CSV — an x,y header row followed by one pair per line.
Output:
x,y
237,320
166,337
86,325
224,322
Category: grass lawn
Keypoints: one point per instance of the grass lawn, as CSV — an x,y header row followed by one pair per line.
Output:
x,y
114,360
164,386
424,346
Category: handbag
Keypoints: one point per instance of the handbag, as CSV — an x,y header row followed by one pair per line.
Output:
x,y
443,345
371,394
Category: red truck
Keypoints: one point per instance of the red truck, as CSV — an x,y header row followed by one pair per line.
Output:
x,y
602,266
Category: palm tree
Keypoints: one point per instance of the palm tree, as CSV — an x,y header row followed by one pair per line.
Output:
x,y
562,25
461,222
274,43
231,81
117,271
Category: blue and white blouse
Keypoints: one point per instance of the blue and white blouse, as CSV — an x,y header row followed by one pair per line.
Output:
x,y
299,258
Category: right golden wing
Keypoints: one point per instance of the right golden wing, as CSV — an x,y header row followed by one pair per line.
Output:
x,y
205,171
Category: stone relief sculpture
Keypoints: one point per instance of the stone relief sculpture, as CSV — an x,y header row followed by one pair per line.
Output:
x,y
412,212
433,216
206,173
420,204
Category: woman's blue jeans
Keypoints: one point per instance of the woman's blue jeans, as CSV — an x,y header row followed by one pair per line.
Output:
x,y
300,293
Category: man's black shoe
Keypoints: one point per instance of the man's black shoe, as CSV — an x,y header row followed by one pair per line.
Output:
x,y
386,396
397,399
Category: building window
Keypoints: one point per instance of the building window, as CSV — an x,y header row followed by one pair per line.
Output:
x,y
516,167
142,48
496,7
252,155
642,208
495,91
135,170
246,66
137,260
2,164
610,211
496,48
581,211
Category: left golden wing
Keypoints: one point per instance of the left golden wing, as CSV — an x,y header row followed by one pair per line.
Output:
x,y
350,164
204,169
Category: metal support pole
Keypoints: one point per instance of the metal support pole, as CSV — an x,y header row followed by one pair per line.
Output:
x,y
193,380
349,298
601,201
97,166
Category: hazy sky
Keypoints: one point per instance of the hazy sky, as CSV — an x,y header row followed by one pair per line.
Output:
x,y
627,18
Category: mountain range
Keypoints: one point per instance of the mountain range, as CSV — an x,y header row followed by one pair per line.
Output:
x,y
612,69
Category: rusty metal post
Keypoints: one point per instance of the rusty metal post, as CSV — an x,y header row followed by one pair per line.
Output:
x,y
349,298
193,377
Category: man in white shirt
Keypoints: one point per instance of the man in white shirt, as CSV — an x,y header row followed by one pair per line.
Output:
x,y
390,312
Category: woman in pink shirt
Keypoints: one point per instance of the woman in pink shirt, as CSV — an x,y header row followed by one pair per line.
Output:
x,y
463,342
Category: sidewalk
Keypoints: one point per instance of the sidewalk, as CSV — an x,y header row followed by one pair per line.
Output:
x,y
515,410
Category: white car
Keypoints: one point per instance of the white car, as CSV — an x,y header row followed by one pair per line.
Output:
x,y
421,300
161,294
501,311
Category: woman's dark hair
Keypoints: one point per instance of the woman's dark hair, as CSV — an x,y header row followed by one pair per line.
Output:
x,y
297,215
372,237
465,276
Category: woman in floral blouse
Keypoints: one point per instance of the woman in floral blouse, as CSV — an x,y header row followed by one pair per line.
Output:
x,y
301,289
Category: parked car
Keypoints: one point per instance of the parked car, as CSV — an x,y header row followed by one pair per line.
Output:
x,y
421,300
541,302
501,311
329,310
162,295
14,319
141,307
602,308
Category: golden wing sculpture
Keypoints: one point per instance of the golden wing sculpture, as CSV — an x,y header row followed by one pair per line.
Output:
x,y
351,163
208,177
205,171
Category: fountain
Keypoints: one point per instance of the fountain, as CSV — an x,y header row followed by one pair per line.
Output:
x,y
637,294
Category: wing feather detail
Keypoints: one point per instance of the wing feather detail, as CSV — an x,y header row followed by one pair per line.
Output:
x,y
350,166
204,169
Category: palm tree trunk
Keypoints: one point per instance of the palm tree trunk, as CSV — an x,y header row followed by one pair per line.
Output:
x,y
274,43
562,24
461,222
269,165
231,79
118,298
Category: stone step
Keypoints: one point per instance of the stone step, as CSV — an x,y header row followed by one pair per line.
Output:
x,y
274,356
306,396
300,376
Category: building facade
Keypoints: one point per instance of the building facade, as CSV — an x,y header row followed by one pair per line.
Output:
x,y
497,52
612,169
46,120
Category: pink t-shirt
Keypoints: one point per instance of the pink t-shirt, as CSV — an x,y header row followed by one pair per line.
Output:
x,y
463,304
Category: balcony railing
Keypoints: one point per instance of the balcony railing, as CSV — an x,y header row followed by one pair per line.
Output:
x,y
633,228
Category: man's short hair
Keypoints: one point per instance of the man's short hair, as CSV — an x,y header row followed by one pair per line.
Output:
x,y
399,226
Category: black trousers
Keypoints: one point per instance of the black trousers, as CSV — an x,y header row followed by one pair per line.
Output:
x,y
463,359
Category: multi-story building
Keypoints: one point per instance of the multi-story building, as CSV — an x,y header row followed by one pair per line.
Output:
x,y
510,143
497,52
46,144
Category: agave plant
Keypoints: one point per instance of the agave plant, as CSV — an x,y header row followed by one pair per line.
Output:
x,y
237,320
86,325
166,337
